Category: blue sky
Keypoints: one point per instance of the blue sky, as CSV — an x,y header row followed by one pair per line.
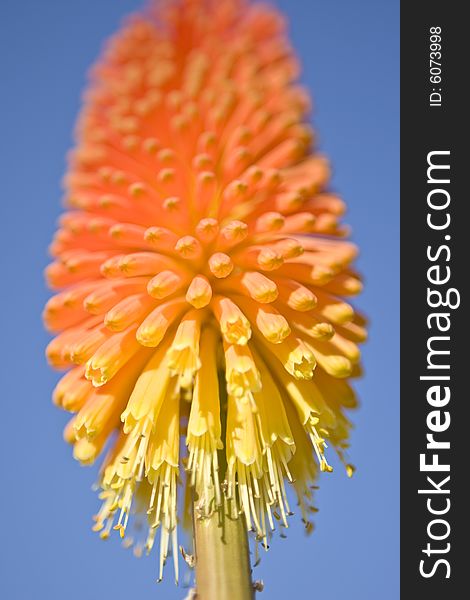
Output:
x,y
350,55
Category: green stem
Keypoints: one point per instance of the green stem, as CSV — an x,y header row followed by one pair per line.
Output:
x,y
222,557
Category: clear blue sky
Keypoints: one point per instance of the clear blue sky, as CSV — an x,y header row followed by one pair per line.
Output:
x,y
350,56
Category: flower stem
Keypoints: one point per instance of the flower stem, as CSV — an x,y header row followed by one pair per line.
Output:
x,y
222,557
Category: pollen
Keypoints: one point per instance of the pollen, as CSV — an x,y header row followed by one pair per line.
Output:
x,y
202,279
